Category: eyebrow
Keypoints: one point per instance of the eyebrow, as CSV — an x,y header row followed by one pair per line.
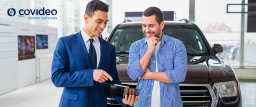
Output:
x,y
102,20
148,24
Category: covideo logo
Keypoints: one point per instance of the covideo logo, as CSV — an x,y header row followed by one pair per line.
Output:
x,y
11,11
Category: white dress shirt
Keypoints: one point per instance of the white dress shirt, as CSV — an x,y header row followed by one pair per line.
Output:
x,y
96,44
155,101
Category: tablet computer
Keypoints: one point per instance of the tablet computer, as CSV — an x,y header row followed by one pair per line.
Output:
x,y
119,90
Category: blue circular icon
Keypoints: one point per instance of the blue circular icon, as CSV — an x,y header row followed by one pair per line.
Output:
x,y
11,12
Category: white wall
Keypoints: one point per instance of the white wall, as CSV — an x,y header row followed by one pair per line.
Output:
x,y
246,74
16,74
26,68
44,56
8,57
53,38
41,30
44,66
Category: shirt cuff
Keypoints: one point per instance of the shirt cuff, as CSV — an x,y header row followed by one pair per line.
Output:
x,y
138,67
169,75
135,70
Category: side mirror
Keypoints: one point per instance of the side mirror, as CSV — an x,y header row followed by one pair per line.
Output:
x,y
217,48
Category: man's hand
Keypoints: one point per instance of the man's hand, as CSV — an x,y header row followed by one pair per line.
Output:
x,y
131,100
152,42
101,76
146,75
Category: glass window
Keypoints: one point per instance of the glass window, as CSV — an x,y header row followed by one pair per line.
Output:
x,y
124,36
189,36
220,27
250,49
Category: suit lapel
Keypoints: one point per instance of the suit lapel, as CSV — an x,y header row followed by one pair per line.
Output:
x,y
102,52
80,43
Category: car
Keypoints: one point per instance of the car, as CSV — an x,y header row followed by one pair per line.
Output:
x,y
209,82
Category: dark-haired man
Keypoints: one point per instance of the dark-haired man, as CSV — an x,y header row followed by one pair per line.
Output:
x,y
160,63
83,61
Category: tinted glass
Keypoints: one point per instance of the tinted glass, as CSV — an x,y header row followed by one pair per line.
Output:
x,y
125,35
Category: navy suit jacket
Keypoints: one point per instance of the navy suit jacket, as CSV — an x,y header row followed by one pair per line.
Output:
x,y
71,69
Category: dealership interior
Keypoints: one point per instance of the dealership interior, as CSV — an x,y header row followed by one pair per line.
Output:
x,y
27,44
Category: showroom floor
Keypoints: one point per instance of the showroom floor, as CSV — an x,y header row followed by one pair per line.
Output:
x,y
248,93
45,94
42,94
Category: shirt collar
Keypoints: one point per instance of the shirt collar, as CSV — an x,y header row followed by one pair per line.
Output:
x,y
162,41
86,37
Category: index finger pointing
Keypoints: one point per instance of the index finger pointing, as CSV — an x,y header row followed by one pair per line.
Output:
x,y
109,77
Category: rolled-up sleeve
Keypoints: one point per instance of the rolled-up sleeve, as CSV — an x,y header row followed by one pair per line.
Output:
x,y
179,72
134,69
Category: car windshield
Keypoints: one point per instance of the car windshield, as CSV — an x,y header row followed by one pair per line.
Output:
x,y
125,35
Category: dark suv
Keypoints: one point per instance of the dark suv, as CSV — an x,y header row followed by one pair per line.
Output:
x,y
210,82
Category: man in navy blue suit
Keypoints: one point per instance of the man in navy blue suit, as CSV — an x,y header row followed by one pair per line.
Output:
x,y
83,61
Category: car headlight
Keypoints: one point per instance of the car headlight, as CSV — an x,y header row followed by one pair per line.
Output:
x,y
227,89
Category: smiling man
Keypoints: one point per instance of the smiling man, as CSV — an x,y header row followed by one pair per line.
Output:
x,y
159,62
83,61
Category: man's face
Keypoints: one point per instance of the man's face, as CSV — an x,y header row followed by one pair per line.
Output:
x,y
150,26
96,23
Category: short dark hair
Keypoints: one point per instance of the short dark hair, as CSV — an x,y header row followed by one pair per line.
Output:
x,y
95,5
154,11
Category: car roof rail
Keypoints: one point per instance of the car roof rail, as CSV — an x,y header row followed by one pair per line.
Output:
x,y
185,20
127,20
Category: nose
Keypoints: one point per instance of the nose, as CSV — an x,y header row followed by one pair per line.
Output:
x,y
147,29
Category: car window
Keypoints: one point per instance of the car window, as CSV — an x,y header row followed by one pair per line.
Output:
x,y
124,36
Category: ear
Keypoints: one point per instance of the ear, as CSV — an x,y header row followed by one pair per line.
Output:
x,y
162,25
86,18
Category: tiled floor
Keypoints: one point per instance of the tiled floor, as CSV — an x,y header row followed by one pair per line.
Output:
x,y
42,94
45,94
248,93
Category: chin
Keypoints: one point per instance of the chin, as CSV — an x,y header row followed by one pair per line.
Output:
x,y
152,36
96,34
